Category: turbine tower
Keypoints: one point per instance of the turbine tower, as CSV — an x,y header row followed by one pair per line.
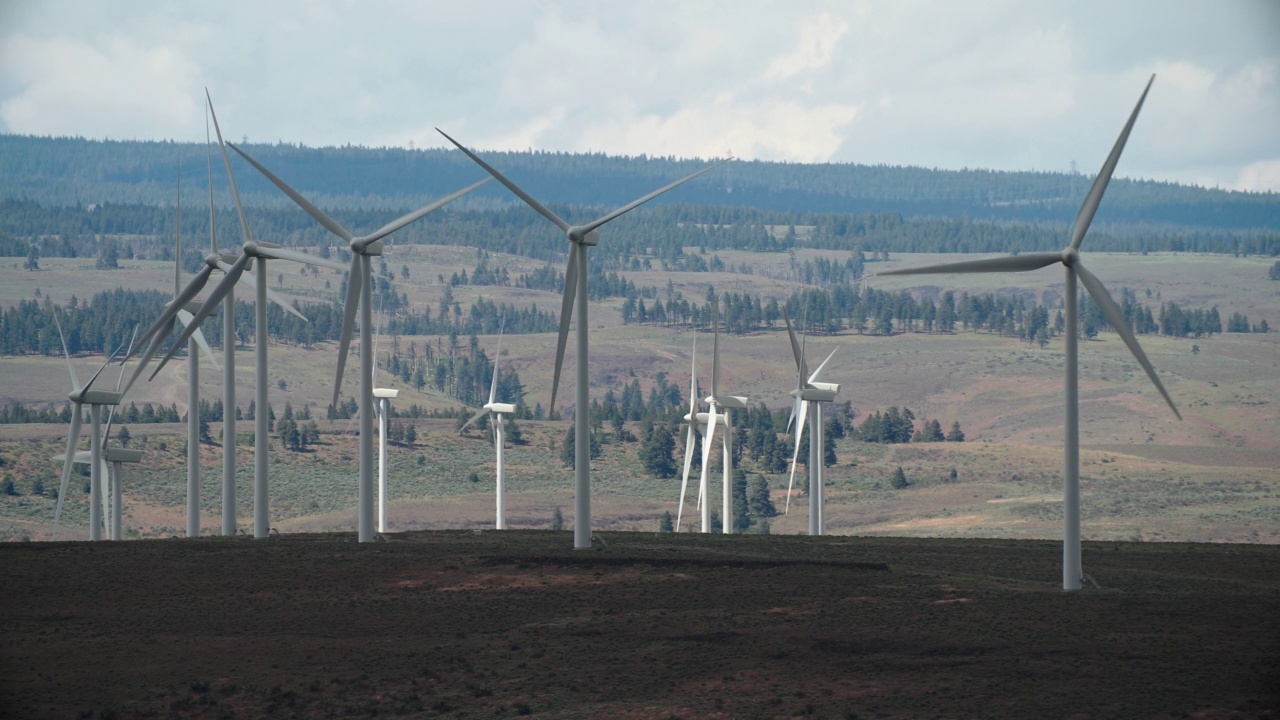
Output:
x,y
810,392
575,284
496,410
728,403
195,344
1070,259
261,251
359,295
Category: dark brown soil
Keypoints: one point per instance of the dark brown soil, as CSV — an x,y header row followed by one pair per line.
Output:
x,y
501,624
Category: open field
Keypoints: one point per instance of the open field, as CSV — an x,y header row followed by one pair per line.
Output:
x,y
501,624
1146,475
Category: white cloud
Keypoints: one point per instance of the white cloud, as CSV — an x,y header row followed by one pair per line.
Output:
x,y
986,83
123,89
819,36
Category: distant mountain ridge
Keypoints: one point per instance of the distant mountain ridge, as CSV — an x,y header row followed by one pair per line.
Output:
x,y
79,172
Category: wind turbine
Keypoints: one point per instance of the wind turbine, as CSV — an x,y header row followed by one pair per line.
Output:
x,y
196,343
80,396
810,392
1070,259
359,294
496,410
181,309
251,250
691,420
575,284
728,403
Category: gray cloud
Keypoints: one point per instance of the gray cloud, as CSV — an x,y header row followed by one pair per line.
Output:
x,y
996,83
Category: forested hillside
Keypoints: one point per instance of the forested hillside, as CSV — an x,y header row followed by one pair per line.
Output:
x,y
59,172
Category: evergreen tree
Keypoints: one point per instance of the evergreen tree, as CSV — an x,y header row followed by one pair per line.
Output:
x,y
759,501
956,434
899,479
557,519
123,436
738,496
666,523
657,450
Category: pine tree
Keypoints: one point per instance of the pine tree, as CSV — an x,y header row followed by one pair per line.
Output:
x,y
759,501
899,479
657,450
956,434
738,496
666,523
557,519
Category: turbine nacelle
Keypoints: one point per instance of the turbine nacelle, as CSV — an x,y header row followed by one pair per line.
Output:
x,y
588,238
366,246
88,396
500,408
734,402
121,455
389,393
819,392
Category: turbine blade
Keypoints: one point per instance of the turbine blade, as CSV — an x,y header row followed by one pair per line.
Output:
x,y
210,306
165,321
1115,316
354,278
226,162
1094,198
186,318
566,314
795,454
75,382
715,347
252,285
693,384
472,421
526,197
708,440
816,373
72,440
296,256
213,225
1007,263
637,203
795,345
684,477
400,222
315,212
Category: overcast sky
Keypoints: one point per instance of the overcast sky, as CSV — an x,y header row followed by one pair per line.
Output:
x,y
1004,84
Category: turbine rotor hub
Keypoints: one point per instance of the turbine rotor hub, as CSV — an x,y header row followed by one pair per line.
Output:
x,y
576,235
1070,257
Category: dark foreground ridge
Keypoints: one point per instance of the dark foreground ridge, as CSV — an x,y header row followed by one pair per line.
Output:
x,y
515,623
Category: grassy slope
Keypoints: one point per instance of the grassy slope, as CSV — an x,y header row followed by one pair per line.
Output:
x,y
1145,474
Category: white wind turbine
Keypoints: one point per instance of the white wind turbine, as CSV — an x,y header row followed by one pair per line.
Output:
x,y
809,394
383,398
575,284
359,296
1070,259
80,396
196,343
691,420
727,403
496,410
182,308
251,250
